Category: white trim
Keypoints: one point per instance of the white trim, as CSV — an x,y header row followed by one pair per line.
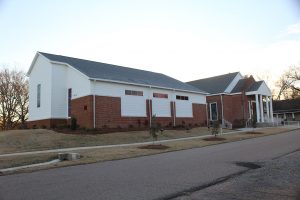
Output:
x,y
233,83
33,63
210,116
144,85
261,109
66,64
271,109
224,93
94,106
257,108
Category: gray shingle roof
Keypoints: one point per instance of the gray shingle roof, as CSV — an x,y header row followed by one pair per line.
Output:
x,y
214,85
239,86
255,86
290,105
98,70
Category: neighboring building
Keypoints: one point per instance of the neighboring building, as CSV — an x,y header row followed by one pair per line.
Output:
x,y
235,99
103,95
288,110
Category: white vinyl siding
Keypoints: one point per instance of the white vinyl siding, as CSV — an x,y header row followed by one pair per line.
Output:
x,y
161,107
184,108
133,106
40,74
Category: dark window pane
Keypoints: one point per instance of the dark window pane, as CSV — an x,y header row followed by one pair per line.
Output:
x,y
39,95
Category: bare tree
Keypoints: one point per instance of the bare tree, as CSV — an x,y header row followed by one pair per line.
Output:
x,y
289,83
13,98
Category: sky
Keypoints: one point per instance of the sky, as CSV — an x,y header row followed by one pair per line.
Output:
x,y
185,39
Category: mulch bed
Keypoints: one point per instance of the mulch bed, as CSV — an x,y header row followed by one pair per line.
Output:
x,y
254,133
214,139
154,146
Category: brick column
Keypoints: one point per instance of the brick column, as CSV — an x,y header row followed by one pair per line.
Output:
x,y
173,112
149,110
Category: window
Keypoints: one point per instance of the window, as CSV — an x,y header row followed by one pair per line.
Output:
x,y
38,102
133,93
69,101
160,95
178,97
213,111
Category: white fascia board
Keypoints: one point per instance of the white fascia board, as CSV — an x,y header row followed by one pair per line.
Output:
x,y
62,63
144,85
231,94
233,83
260,90
32,63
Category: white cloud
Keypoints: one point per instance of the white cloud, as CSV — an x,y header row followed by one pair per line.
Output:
x,y
293,29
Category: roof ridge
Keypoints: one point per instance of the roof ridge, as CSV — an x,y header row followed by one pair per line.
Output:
x,y
222,75
102,63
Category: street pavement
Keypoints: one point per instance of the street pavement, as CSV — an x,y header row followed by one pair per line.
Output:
x,y
161,176
275,180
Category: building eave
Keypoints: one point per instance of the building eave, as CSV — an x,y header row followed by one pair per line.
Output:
x,y
145,85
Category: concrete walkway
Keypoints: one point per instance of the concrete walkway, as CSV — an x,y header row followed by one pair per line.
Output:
x,y
111,146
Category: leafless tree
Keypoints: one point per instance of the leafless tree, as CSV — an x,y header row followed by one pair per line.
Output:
x,y
289,83
13,99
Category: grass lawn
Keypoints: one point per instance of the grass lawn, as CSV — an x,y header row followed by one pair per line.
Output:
x,y
43,139
99,155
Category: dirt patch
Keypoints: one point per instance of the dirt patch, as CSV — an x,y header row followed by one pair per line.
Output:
x,y
214,139
154,146
256,133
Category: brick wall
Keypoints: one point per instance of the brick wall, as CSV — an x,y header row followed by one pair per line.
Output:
x,y
82,109
108,114
235,108
46,123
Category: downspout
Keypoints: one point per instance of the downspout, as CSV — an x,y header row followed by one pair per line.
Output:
x,y
149,107
174,112
94,105
222,110
206,114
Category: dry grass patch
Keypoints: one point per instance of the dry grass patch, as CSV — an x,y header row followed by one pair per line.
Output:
x,y
100,155
42,139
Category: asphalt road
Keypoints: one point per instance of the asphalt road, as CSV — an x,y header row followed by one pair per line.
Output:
x,y
277,179
161,176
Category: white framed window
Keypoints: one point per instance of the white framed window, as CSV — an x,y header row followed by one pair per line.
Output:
x,y
213,108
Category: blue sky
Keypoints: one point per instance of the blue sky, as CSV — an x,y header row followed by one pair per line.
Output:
x,y
185,39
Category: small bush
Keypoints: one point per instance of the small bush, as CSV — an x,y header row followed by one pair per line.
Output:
x,y
215,130
155,128
130,126
73,123
43,126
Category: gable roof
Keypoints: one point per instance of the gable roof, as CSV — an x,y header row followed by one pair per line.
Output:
x,y
255,86
239,86
216,84
108,72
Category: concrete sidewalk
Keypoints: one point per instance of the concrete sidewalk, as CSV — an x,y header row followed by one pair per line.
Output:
x,y
111,146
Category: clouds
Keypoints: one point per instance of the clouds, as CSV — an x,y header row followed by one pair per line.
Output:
x,y
293,29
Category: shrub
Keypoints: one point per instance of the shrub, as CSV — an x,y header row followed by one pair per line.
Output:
x,y
130,126
215,130
155,128
73,123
